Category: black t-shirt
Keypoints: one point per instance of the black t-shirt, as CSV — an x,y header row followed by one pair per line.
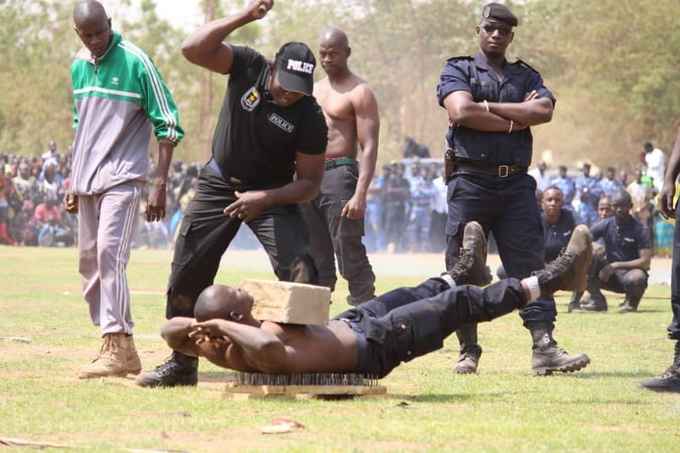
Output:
x,y
557,236
255,140
622,241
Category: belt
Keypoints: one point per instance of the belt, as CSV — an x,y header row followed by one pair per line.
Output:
x,y
339,162
481,168
214,166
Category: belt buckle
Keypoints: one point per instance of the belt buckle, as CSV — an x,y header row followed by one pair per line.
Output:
x,y
503,171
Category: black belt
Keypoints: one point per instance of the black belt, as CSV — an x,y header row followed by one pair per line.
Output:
x,y
482,168
339,162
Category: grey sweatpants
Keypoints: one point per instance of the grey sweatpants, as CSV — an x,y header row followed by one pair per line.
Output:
x,y
106,223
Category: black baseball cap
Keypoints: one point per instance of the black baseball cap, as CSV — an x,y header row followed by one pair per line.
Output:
x,y
499,12
295,64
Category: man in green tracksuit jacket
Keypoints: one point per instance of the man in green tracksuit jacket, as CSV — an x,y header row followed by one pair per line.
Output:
x,y
119,99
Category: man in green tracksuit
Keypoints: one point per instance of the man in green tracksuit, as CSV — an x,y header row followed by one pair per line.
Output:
x,y
119,99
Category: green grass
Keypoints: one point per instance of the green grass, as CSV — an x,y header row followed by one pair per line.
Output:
x,y
504,408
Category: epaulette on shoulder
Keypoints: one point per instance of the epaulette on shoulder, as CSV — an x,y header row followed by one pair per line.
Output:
x,y
524,64
463,57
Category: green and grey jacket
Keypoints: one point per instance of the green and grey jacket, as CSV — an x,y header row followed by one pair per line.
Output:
x,y
117,101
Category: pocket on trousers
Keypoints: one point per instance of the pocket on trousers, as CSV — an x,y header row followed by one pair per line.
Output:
x,y
452,227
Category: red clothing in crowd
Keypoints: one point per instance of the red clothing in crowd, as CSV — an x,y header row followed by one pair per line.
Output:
x,y
44,213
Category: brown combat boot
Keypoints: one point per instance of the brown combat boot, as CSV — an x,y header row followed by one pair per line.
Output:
x,y
117,357
548,358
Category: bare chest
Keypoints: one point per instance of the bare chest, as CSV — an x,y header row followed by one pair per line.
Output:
x,y
337,106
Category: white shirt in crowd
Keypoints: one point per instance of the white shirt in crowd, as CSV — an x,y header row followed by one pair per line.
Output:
x,y
440,204
656,165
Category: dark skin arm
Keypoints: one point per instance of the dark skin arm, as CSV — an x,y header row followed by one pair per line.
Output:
x,y
464,111
668,191
176,333
155,207
368,131
532,112
641,263
309,170
205,47
261,349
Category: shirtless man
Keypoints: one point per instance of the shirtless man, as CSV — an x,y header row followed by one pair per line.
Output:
x,y
336,217
377,336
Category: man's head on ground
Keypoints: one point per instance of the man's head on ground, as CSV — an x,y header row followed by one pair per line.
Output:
x,y
224,302
604,208
649,147
293,74
334,51
495,29
553,200
621,205
93,26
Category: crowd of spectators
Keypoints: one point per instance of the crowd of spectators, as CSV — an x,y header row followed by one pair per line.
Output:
x,y
406,206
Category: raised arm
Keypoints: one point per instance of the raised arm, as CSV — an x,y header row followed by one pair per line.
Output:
x,y
206,46
368,132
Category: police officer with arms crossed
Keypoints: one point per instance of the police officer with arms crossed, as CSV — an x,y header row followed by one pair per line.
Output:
x,y
491,105
270,128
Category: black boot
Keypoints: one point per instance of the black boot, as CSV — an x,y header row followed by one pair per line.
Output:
x,y
470,351
575,302
547,357
178,369
669,381
569,271
471,268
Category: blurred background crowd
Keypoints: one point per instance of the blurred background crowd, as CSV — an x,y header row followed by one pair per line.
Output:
x,y
406,206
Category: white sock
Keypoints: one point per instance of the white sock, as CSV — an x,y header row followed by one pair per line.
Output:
x,y
448,279
534,288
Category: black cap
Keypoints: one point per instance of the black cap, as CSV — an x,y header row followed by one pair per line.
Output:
x,y
499,12
295,65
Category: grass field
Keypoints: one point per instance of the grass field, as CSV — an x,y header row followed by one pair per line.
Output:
x,y
504,408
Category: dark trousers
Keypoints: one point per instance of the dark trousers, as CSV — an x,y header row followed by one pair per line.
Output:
x,y
674,327
332,235
507,208
631,282
410,322
205,234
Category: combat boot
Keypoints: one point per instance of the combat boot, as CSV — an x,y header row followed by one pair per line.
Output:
x,y
547,357
669,381
470,268
595,302
117,357
575,302
178,369
569,271
470,351
627,306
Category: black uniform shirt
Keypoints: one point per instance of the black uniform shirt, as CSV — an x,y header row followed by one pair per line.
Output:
x,y
256,141
472,74
557,236
622,242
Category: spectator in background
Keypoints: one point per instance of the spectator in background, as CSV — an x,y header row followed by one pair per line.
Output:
x,y
5,191
422,200
627,255
566,185
609,185
539,174
588,194
655,159
604,208
397,194
624,179
24,183
374,212
51,152
440,209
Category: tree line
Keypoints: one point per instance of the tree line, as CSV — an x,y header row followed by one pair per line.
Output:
x,y
612,65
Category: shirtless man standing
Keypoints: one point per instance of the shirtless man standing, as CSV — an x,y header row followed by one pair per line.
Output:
x,y
336,217
377,336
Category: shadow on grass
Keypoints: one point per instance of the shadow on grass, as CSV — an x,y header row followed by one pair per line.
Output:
x,y
613,374
449,397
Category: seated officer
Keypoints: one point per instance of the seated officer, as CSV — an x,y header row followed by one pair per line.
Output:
x,y
375,337
623,266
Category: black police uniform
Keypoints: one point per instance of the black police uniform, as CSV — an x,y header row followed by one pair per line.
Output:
x,y
254,148
333,235
622,242
490,184
556,236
